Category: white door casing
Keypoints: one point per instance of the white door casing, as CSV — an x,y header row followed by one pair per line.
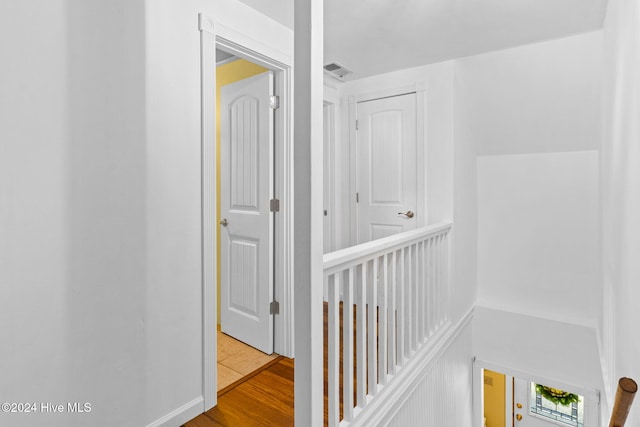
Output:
x,y
328,178
386,167
247,154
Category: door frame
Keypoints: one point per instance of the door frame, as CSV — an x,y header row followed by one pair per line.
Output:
x,y
329,125
420,89
214,35
591,396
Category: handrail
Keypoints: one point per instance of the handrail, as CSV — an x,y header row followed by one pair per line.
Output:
x,y
344,258
627,389
386,299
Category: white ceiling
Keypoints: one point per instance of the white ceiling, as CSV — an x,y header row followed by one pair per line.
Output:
x,y
376,36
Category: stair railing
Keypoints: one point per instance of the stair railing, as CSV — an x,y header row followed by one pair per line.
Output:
x,y
624,398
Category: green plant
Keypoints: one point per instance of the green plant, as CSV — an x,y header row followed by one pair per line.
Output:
x,y
556,396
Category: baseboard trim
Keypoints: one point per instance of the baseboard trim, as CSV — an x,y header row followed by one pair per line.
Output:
x,y
186,412
408,379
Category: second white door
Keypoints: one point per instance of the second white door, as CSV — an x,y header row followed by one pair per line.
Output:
x,y
386,165
247,222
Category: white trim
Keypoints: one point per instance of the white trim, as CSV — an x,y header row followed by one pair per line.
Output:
x,y
421,153
245,43
229,60
477,397
329,125
410,376
387,93
284,343
242,52
353,206
186,412
336,261
508,393
205,24
215,35
209,230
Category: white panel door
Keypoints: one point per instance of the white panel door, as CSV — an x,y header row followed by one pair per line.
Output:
x,y
386,161
246,165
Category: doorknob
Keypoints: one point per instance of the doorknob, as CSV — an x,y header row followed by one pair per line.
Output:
x,y
408,214
224,222
518,417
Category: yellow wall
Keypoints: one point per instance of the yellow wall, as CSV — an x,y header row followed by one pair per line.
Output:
x,y
494,399
226,74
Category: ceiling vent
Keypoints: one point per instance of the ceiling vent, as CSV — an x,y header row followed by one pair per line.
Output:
x,y
336,70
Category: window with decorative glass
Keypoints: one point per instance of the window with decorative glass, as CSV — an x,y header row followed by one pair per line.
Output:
x,y
558,406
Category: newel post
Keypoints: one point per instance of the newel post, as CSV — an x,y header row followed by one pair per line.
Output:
x,y
624,398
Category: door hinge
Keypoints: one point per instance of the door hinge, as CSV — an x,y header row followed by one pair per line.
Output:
x,y
274,205
357,197
274,307
274,102
357,127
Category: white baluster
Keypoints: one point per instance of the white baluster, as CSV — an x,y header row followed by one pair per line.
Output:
x,y
393,339
414,297
333,353
361,338
400,291
438,282
347,354
431,306
372,328
421,292
382,321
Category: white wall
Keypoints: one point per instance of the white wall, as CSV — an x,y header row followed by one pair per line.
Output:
x,y
280,10
621,193
444,396
533,112
537,98
538,251
72,213
34,153
100,267
537,347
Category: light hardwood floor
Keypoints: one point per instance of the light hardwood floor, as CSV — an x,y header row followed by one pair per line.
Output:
x,y
236,360
265,397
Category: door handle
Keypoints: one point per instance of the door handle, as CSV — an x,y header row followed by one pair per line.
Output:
x,y
408,214
224,222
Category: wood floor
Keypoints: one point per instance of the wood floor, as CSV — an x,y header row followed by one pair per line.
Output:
x,y
265,398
